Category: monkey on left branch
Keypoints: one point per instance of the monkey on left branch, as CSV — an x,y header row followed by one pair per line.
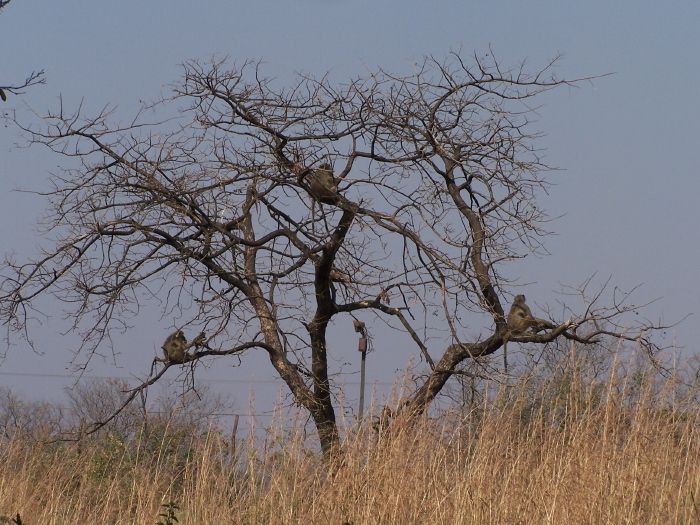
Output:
x,y
175,347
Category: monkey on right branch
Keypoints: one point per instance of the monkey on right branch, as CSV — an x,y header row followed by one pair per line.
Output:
x,y
175,347
519,321
520,318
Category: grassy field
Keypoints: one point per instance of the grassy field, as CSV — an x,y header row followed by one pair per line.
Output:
x,y
561,451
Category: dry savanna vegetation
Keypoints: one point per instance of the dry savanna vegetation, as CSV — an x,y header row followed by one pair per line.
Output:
x,y
259,214
262,214
557,446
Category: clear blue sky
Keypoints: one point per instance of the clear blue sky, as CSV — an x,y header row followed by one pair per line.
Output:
x,y
627,144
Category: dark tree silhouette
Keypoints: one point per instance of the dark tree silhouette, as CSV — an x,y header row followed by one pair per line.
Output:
x,y
437,179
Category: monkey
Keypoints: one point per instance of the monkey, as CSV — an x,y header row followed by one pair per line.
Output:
x,y
175,347
336,276
323,184
519,320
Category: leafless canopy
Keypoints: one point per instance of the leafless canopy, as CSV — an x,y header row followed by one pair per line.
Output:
x,y
437,178
33,79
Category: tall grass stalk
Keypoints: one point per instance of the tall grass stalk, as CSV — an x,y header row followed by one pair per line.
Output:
x,y
557,451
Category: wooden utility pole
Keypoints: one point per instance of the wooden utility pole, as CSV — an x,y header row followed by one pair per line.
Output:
x,y
233,439
362,347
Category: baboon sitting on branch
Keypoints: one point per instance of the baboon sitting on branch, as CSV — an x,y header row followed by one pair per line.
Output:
x,y
175,347
323,184
520,318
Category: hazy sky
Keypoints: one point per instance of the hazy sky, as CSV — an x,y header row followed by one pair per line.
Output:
x,y
626,143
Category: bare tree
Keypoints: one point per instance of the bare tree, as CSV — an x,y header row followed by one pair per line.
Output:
x,y
437,179
28,420
33,79
99,400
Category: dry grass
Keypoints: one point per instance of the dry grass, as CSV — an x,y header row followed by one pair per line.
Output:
x,y
563,453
